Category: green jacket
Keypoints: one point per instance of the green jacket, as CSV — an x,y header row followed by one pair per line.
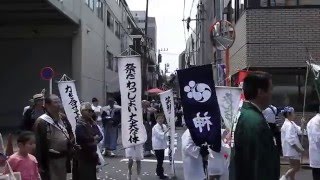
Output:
x,y
254,156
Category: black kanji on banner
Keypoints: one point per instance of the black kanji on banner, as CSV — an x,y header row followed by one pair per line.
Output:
x,y
200,105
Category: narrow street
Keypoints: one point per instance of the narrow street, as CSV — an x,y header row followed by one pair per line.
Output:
x,y
117,166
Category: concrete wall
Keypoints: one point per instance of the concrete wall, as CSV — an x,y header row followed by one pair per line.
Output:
x,y
276,38
90,45
238,51
92,55
209,17
21,62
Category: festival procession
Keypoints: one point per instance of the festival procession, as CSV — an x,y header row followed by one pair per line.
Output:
x,y
143,90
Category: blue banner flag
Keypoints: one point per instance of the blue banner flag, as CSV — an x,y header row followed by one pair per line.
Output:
x,y
200,105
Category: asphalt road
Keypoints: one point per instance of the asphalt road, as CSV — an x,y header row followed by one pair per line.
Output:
x,y
117,166
116,169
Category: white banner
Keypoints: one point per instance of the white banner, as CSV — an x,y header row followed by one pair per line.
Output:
x,y
167,103
70,102
132,128
228,99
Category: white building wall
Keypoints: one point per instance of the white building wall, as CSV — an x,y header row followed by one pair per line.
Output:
x,y
91,44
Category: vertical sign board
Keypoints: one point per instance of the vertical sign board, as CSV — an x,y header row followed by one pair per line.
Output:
x,y
70,101
132,128
167,103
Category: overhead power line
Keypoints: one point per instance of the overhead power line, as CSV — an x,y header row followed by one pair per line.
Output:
x,y
191,7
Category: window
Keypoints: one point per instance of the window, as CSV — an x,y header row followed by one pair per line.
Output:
x,y
90,4
110,60
117,24
110,21
100,9
288,89
115,64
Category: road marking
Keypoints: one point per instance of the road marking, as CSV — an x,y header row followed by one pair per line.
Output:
x,y
152,160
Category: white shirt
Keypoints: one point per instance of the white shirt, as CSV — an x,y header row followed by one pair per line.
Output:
x,y
159,140
269,114
289,137
313,129
192,160
218,162
97,111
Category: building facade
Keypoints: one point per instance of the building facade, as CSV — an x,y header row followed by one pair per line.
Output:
x,y
278,37
79,38
153,65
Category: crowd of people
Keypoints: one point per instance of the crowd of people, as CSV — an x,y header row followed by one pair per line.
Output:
x,y
49,149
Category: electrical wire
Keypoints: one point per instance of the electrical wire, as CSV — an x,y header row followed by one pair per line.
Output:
x,y
191,7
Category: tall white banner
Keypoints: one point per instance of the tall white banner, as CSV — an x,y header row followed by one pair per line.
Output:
x,y
167,103
132,128
229,100
70,101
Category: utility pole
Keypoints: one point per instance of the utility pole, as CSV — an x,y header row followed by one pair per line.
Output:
x,y
219,79
145,58
202,39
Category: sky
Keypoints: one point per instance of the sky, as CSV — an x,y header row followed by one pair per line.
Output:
x,y
170,30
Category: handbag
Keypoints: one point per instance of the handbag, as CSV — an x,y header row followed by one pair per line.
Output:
x,y
12,175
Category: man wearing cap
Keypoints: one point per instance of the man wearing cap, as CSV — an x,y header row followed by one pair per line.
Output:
x,y
33,113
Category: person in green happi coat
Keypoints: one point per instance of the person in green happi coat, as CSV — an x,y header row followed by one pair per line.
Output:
x,y
254,152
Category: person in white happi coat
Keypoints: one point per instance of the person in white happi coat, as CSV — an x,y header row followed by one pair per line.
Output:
x,y
134,153
313,129
218,162
159,143
291,146
192,158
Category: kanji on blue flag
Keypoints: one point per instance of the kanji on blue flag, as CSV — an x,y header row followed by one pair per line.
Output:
x,y
200,105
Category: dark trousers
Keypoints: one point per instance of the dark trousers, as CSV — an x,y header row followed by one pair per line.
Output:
x,y
148,143
160,158
277,135
316,173
86,170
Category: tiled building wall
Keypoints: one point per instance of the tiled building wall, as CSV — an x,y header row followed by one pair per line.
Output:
x,y
276,38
